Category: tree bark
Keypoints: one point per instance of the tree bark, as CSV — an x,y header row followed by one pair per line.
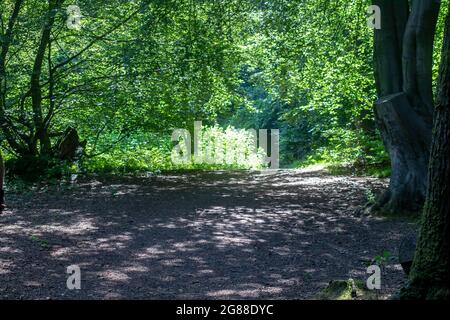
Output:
x,y
403,52
70,147
430,274
388,46
5,43
405,135
2,176
35,83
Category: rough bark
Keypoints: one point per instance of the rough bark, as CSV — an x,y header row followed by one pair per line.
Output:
x,y
406,251
430,274
406,136
403,51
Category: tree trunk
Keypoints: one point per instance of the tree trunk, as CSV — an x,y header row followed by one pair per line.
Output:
x,y
403,71
406,136
2,176
35,83
70,147
5,42
430,274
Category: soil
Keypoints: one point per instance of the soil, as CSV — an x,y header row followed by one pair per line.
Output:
x,y
282,234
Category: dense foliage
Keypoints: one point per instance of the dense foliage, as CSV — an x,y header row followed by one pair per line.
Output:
x,y
136,70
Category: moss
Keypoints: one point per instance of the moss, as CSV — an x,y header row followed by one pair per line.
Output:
x,y
347,290
439,294
423,289
338,290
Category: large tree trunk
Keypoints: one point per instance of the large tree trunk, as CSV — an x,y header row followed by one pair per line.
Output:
x,y
403,70
406,136
430,274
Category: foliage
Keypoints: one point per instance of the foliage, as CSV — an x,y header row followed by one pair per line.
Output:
x,y
150,153
383,258
138,69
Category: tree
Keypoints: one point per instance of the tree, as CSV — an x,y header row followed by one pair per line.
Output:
x,y
133,67
34,76
27,144
404,110
5,41
2,176
430,274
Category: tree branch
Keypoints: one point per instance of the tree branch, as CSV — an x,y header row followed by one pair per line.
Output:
x,y
93,42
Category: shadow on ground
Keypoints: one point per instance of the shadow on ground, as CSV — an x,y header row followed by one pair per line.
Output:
x,y
212,235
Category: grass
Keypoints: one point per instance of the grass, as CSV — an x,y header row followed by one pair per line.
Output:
x,y
44,244
382,170
347,290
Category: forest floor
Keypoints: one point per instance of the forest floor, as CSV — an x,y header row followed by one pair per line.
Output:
x,y
201,235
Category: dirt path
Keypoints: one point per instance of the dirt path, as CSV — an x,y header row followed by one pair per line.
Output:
x,y
228,235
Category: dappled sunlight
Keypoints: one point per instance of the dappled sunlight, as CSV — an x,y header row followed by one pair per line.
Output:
x,y
225,235
77,228
244,293
113,275
6,266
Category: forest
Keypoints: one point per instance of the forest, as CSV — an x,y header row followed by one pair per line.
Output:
x,y
225,149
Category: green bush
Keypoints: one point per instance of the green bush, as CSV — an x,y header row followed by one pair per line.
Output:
x,y
150,153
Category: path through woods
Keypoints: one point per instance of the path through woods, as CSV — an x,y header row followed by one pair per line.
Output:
x,y
273,234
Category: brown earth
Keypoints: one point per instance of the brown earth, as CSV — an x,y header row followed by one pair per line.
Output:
x,y
201,235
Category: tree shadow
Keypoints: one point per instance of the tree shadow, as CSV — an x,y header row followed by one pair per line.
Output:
x,y
202,235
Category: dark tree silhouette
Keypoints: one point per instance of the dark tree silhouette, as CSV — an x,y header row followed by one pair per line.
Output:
x,y
430,274
404,109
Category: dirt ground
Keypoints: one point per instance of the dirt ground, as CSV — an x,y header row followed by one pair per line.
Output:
x,y
201,235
